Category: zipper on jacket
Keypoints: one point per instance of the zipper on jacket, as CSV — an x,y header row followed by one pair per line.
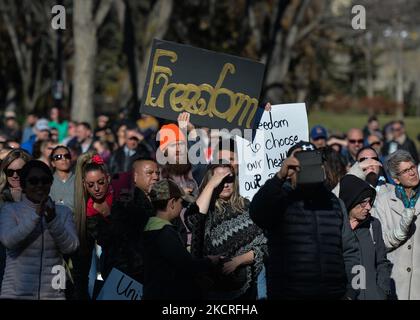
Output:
x,y
42,253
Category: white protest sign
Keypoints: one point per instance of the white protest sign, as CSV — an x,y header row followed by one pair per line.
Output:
x,y
119,286
277,132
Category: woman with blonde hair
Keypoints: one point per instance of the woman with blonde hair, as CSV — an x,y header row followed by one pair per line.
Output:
x,y
93,201
10,167
221,225
10,187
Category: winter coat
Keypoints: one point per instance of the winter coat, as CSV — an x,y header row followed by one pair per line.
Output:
x,y
311,247
376,271
373,258
401,233
34,247
169,269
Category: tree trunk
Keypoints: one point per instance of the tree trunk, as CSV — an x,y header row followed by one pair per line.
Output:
x,y
85,46
157,25
85,25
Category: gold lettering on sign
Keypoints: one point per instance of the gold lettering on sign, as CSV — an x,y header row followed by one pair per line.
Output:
x,y
189,97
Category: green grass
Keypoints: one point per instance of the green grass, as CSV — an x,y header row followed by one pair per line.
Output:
x,y
340,123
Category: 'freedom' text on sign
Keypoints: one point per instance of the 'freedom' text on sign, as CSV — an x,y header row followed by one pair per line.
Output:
x,y
180,79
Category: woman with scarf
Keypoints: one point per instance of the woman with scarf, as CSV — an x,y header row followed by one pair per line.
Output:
x,y
221,225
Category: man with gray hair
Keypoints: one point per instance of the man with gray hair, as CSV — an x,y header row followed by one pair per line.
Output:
x,y
397,209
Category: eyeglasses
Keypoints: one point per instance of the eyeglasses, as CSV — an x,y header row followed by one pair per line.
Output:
x,y
356,141
403,172
10,172
367,158
34,181
364,203
397,129
133,138
61,156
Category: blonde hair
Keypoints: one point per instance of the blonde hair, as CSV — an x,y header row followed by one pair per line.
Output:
x,y
11,156
235,201
84,164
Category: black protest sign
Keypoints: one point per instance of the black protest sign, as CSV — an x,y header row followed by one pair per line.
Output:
x,y
218,90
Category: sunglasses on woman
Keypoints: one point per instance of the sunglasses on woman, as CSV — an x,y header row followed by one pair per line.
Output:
x,y
61,156
367,158
10,172
229,179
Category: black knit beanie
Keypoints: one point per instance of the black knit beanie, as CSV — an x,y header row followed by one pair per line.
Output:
x,y
354,190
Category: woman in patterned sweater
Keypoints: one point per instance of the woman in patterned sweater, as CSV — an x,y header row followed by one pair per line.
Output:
x,y
221,225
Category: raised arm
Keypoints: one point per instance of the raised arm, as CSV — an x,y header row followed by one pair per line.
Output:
x,y
271,200
393,233
204,199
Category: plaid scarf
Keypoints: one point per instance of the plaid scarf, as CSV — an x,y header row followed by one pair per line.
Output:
x,y
402,195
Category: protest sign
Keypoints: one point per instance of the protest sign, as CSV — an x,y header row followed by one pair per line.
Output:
x,y
277,132
119,286
218,90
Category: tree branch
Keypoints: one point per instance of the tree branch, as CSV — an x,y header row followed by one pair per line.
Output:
x,y
102,12
14,39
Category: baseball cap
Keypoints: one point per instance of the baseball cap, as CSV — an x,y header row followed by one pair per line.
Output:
x,y
318,132
42,124
166,189
304,145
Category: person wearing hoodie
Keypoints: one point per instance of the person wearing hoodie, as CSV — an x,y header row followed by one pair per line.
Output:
x,y
169,269
358,196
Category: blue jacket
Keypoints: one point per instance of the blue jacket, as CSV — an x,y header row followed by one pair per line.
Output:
x,y
29,144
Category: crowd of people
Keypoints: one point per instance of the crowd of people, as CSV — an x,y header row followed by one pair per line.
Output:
x,y
94,199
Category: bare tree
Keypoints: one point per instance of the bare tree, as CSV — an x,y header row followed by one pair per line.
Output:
x,y
86,22
27,25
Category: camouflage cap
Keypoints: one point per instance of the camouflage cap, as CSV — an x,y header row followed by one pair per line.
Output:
x,y
167,189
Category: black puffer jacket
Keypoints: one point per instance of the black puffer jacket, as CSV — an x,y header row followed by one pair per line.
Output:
x,y
121,236
311,247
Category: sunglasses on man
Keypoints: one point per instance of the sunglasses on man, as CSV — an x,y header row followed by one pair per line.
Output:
x,y
356,141
375,143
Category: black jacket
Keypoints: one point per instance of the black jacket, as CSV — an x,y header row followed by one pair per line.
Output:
x,y
376,267
170,269
373,258
120,162
408,145
312,249
121,237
